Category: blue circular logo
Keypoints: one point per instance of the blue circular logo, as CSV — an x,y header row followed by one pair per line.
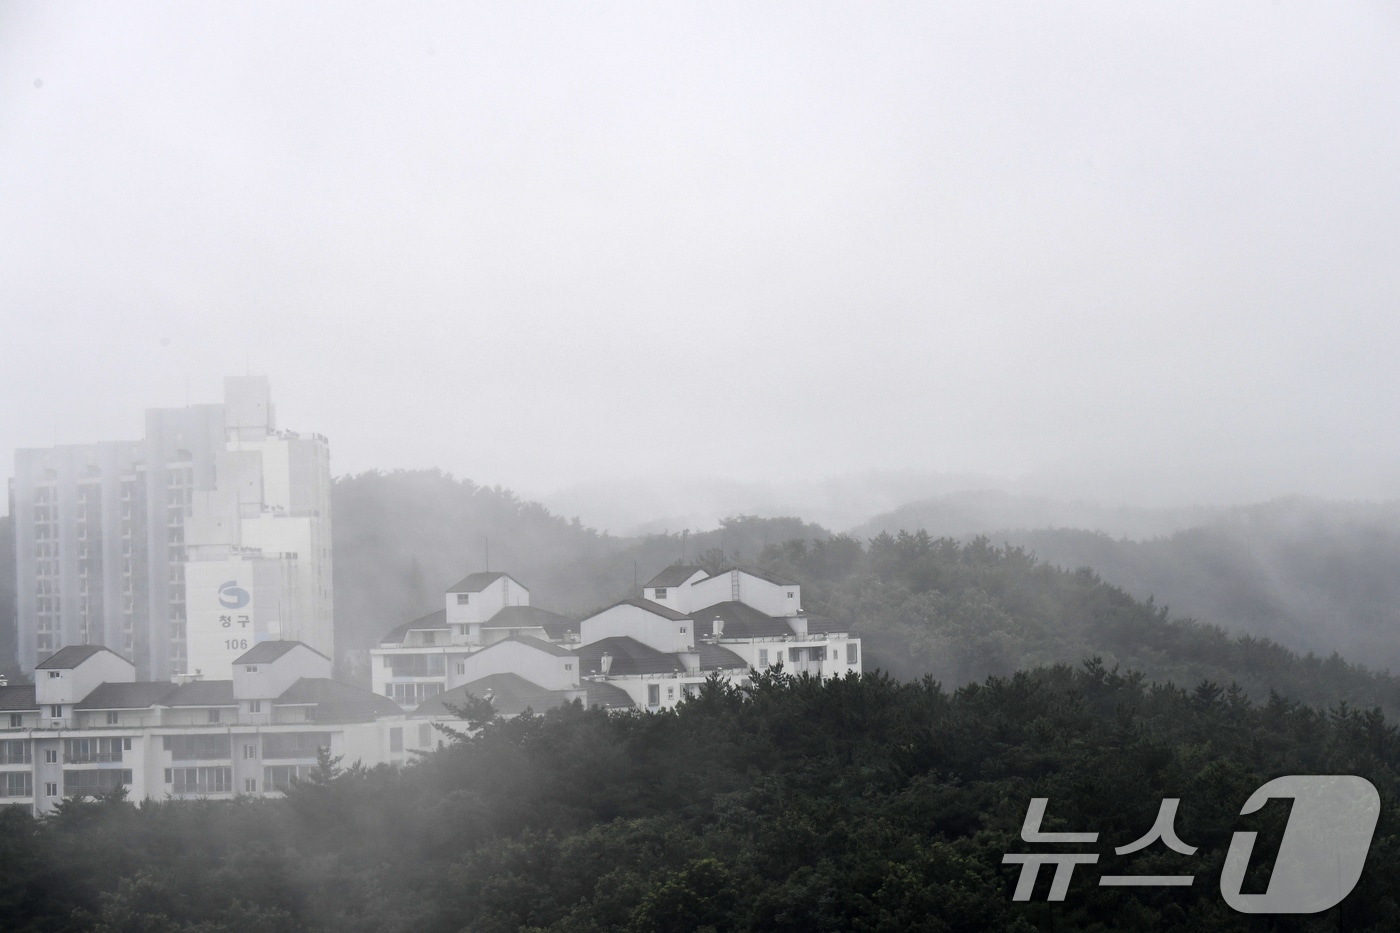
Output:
x,y
233,596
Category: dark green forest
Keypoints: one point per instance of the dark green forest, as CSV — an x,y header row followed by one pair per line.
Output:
x,y
856,804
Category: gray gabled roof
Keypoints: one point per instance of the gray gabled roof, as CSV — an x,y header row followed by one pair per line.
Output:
x,y
754,572
333,701
265,652
674,575
715,658
510,695
202,693
629,657
127,696
18,698
433,620
538,644
655,608
824,625
476,582
65,659
740,621
555,625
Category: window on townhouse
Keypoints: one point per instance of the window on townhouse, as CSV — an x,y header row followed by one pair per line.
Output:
x,y
51,756
250,785
463,599
461,668
661,592
50,789
396,739
255,706
55,674
682,629
763,657
790,596
112,718
251,669
250,751
16,720
794,655
213,716
818,653
56,712
670,693
653,694
852,654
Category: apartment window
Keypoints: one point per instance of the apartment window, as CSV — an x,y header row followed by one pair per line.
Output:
x,y
16,720
661,592
15,752
206,780
396,739
653,694
111,718
250,751
250,785
255,706
93,782
852,654
16,784
463,598
126,744
763,657
56,712
213,716
51,756
50,789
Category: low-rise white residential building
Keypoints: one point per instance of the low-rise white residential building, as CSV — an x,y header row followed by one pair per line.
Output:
x,y
420,659
87,726
654,650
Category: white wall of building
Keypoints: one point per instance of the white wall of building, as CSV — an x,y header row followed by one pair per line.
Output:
x,y
646,627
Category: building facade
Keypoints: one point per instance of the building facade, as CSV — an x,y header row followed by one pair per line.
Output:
x,y
639,653
182,549
87,726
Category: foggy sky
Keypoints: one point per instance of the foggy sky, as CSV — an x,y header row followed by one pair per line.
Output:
x,y
1145,253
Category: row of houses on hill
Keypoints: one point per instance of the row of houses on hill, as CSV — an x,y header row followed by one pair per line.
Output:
x,y
87,725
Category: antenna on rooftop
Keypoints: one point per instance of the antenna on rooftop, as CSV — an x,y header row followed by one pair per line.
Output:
x,y
487,540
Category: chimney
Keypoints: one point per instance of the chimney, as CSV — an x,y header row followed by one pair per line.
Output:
x,y
605,662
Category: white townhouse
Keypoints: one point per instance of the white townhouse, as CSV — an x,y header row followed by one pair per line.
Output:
x,y
87,726
415,661
641,653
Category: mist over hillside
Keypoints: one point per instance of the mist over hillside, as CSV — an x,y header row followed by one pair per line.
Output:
x,y
1317,576
967,513
923,605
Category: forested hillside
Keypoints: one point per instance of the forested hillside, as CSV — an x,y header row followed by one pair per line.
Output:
x,y
1317,576
402,538
959,612
858,804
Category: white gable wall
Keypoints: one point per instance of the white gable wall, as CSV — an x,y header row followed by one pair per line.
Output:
x,y
550,671
635,622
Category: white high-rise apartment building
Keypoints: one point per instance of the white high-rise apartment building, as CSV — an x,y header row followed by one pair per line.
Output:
x,y
181,550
